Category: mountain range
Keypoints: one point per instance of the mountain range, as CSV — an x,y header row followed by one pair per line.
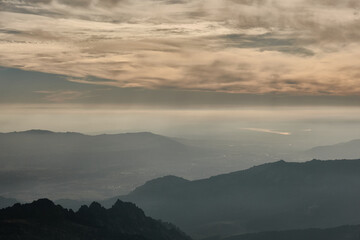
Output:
x,y
80,166
35,162
267,197
345,150
274,196
43,220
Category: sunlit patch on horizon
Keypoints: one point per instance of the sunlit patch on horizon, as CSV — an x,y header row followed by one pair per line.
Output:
x,y
268,131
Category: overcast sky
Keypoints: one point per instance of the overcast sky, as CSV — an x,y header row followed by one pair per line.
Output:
x,y
289,47
138,59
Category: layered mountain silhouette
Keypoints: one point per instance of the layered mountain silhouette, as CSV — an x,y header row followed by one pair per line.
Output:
x,y
275,196
347,150
42,219
80,166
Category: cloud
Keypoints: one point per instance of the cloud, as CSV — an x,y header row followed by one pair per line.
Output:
x,y
60,96
236,46
335,3
266,42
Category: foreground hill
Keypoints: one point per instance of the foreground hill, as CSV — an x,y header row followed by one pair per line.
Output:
x,y
338,233
274,196
42,219
346,150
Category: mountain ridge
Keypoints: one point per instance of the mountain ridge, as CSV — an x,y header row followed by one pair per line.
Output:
x,y
94,163
42,219
317,193
343,150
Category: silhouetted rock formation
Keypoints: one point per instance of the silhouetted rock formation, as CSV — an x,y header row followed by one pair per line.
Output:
x,y
42,219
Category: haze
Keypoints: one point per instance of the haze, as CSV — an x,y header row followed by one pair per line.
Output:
x,y
210,114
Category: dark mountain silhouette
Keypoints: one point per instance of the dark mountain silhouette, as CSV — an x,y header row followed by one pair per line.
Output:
x,y
347,150
338,233
7,202
275,196
42,219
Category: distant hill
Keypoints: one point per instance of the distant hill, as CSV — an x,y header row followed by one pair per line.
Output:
x,y
70,165
39,142
347,150
34,163
7,202
275,196
338,233
42,219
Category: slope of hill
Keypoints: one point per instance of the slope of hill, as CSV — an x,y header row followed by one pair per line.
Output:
x,y
152,187
40,142
343,233
347,150
274,196
42,219
35,162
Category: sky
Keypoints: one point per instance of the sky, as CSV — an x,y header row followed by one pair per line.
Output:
x,y
236,46
178,55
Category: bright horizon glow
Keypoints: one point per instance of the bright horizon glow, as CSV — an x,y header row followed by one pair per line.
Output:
x,y
330,124
268,131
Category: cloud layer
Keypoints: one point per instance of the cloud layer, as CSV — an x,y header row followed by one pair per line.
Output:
x,y
296,47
